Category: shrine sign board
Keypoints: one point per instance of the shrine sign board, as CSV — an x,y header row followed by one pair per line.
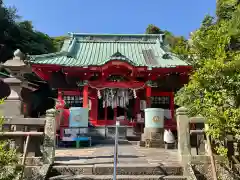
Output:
x,y
78,117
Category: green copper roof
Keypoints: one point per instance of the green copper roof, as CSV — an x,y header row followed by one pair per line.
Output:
x,y
97,49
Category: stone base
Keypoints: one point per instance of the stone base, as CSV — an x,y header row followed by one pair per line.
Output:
x,y
154,144
170,146
141,143
152,137
153,134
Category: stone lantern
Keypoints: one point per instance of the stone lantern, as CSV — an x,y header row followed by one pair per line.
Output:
x,y
16,67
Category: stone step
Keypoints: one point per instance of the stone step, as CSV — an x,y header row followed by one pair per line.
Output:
x,y
122,169
119,177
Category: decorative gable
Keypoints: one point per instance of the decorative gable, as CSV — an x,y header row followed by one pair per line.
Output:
x,y
119,56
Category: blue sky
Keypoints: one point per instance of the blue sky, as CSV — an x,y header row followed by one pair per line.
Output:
x,y
58,17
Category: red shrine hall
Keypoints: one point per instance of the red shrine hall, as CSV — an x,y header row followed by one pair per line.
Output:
x,y
114,76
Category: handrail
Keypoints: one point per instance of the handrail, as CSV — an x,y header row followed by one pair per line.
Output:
x,y
198,131
24,121
115,152
209,151
21,133
235,160
213,165
24,156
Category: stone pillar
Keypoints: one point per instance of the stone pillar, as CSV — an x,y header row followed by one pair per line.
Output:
x,y
184,147
49,137
12,105
14,84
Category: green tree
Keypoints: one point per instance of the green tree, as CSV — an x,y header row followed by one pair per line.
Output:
x,y
27,25
15,34
7,20
58,42
214,88
9,168
152,29
177,44
225,8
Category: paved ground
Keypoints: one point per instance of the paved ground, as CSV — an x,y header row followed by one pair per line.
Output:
x,y
103,154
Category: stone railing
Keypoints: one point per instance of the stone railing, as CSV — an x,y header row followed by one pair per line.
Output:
x,y
34,140
203,162
184,132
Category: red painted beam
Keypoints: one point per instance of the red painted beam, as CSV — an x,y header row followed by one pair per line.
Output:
x,y
47,67
41,74
102,84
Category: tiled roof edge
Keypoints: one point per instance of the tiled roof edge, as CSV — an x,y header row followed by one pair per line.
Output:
x,y
33,57
176,56
95,34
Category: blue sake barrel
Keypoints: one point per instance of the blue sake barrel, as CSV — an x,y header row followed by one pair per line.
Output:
x,y
78,117
154,118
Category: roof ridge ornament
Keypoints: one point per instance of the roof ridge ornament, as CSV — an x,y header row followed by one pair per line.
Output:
x,y
166,56
71,34
118,54
161,38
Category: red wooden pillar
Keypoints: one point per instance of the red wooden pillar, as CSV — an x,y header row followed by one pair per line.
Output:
x,y
93,113
148,96
85,96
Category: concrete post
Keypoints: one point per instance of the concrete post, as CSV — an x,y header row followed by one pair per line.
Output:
x,y
49,137
184,147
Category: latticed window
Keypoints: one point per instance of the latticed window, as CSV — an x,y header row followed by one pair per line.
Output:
x,y
73,101
160,100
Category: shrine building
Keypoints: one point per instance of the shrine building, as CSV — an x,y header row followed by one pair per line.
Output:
x,y
114,75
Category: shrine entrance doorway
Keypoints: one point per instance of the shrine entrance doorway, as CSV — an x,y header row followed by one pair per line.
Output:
x,y
117,103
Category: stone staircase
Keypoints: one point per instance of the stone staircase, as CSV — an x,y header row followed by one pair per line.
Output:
x,y
124,171
134,162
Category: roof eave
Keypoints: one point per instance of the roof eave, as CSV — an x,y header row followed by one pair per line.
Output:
x,y
94,34
34,57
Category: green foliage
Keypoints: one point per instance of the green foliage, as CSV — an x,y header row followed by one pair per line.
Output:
x,y
27,25
177,45
9,168
58,42
20,35
152,29
225,8
214,88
